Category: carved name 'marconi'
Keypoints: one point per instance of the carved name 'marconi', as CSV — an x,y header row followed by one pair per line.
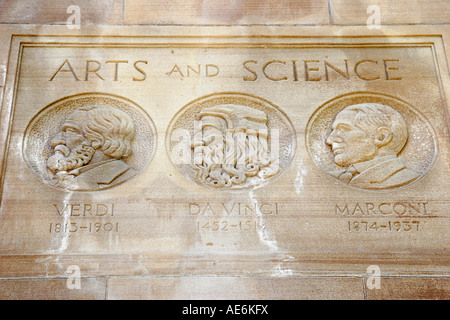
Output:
x,y
273,70
400,208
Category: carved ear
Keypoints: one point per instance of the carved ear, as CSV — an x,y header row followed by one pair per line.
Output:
x,y
384,136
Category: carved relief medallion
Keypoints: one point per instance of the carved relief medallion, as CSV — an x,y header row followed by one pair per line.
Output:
x,y
89,142
231,141
371,141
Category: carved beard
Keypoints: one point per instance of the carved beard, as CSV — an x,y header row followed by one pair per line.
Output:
x,y
230,159
65,160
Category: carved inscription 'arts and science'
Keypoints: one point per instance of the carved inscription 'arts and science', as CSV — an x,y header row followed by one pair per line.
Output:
x,y
276,70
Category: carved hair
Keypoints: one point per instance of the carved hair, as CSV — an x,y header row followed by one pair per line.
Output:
x,y
75,158
234,147
371,116
234,157
109,129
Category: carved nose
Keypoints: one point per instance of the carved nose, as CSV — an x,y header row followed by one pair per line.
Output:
x,y
58,139
330,139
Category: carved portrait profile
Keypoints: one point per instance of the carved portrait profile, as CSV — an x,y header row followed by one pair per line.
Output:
x,y
88,150
240,135
235,141
88,142
367,142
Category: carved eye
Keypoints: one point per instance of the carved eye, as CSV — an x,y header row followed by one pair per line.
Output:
x,y
342,129
70,130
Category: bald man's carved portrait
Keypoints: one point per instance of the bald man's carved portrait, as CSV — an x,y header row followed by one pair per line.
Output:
x,y
88,151
365,140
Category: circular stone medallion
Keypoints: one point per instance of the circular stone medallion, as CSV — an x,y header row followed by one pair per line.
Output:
x,y
371,141
231,141
89,142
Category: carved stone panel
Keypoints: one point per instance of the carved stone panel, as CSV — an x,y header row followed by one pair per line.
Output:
x,y
221,152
